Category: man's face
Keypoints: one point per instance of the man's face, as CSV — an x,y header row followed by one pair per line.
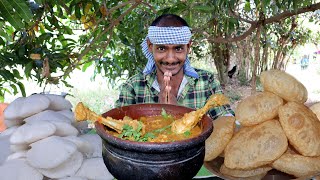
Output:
x,y
169,57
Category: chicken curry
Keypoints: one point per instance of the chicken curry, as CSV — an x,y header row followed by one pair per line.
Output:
x,y
162,128
157,129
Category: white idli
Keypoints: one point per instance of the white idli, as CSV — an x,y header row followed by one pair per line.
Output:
x,y
64,129
13,122
8,131
96,142
47,115
83,145
4,148
73,178
27,133
18,169
68,113
94,168
19,147
68,168
17,155
23,107
58,103
50,152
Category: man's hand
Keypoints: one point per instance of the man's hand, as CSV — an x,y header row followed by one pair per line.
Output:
x,y
166,96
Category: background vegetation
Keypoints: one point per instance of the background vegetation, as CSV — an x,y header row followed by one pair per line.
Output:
x,y
46,40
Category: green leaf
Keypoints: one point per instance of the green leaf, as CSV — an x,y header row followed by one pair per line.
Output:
x,y
86,65
53,20
66,84
77,11
6,10
7,75
22,89
164,113
2,42
48,26
28,69
22,9
67,30
21,51
187,133
44,37
15,91
16,74
247,6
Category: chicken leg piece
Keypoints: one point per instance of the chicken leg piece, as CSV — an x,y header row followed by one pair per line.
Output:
x,y
190,120
83,113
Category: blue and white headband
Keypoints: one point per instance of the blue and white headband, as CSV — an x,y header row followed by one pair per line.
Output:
x,y
167,35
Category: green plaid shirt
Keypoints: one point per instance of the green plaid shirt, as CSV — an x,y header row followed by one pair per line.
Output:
x,y
138,89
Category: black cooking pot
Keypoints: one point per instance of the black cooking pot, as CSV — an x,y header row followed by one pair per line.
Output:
x,y
128,160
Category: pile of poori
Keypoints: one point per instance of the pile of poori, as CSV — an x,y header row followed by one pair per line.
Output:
x,y
277,131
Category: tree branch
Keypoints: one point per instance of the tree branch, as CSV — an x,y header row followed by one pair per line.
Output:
x,y
72,66
234,39
255,24
234,14
114,23
287,14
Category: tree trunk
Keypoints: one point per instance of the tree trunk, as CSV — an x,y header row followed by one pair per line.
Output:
x,y
218,57
256,60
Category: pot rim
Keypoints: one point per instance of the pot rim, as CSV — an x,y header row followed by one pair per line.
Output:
x,y
206,122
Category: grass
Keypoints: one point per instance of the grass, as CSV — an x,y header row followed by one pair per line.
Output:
x,y
99,100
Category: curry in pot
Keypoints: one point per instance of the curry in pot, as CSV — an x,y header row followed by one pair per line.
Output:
x,y
162,128
157,129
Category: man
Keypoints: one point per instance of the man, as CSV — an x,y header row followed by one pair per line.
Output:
x,y
168,76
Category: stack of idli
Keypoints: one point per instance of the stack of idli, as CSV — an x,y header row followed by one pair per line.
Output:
x,y
45,142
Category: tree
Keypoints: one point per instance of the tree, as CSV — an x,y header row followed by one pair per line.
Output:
x,y
51,38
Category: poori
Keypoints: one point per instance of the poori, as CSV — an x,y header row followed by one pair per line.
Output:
x,y
256,146
244,173
220,137
283,85
302,128
297,165
258,108
315,108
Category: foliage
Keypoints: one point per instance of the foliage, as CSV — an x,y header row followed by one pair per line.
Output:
x,y
48,39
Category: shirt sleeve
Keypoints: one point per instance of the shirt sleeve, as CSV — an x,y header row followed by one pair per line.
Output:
x,y
126,96
225,110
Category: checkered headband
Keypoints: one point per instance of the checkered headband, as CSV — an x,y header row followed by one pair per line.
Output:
x,y
167,35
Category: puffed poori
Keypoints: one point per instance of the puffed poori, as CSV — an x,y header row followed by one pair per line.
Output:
x,y
220,137
284,85
244,173
256,146
258,108
315,108
302,128
297,165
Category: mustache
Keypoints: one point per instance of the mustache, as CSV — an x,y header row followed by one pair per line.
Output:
x,y
169,64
